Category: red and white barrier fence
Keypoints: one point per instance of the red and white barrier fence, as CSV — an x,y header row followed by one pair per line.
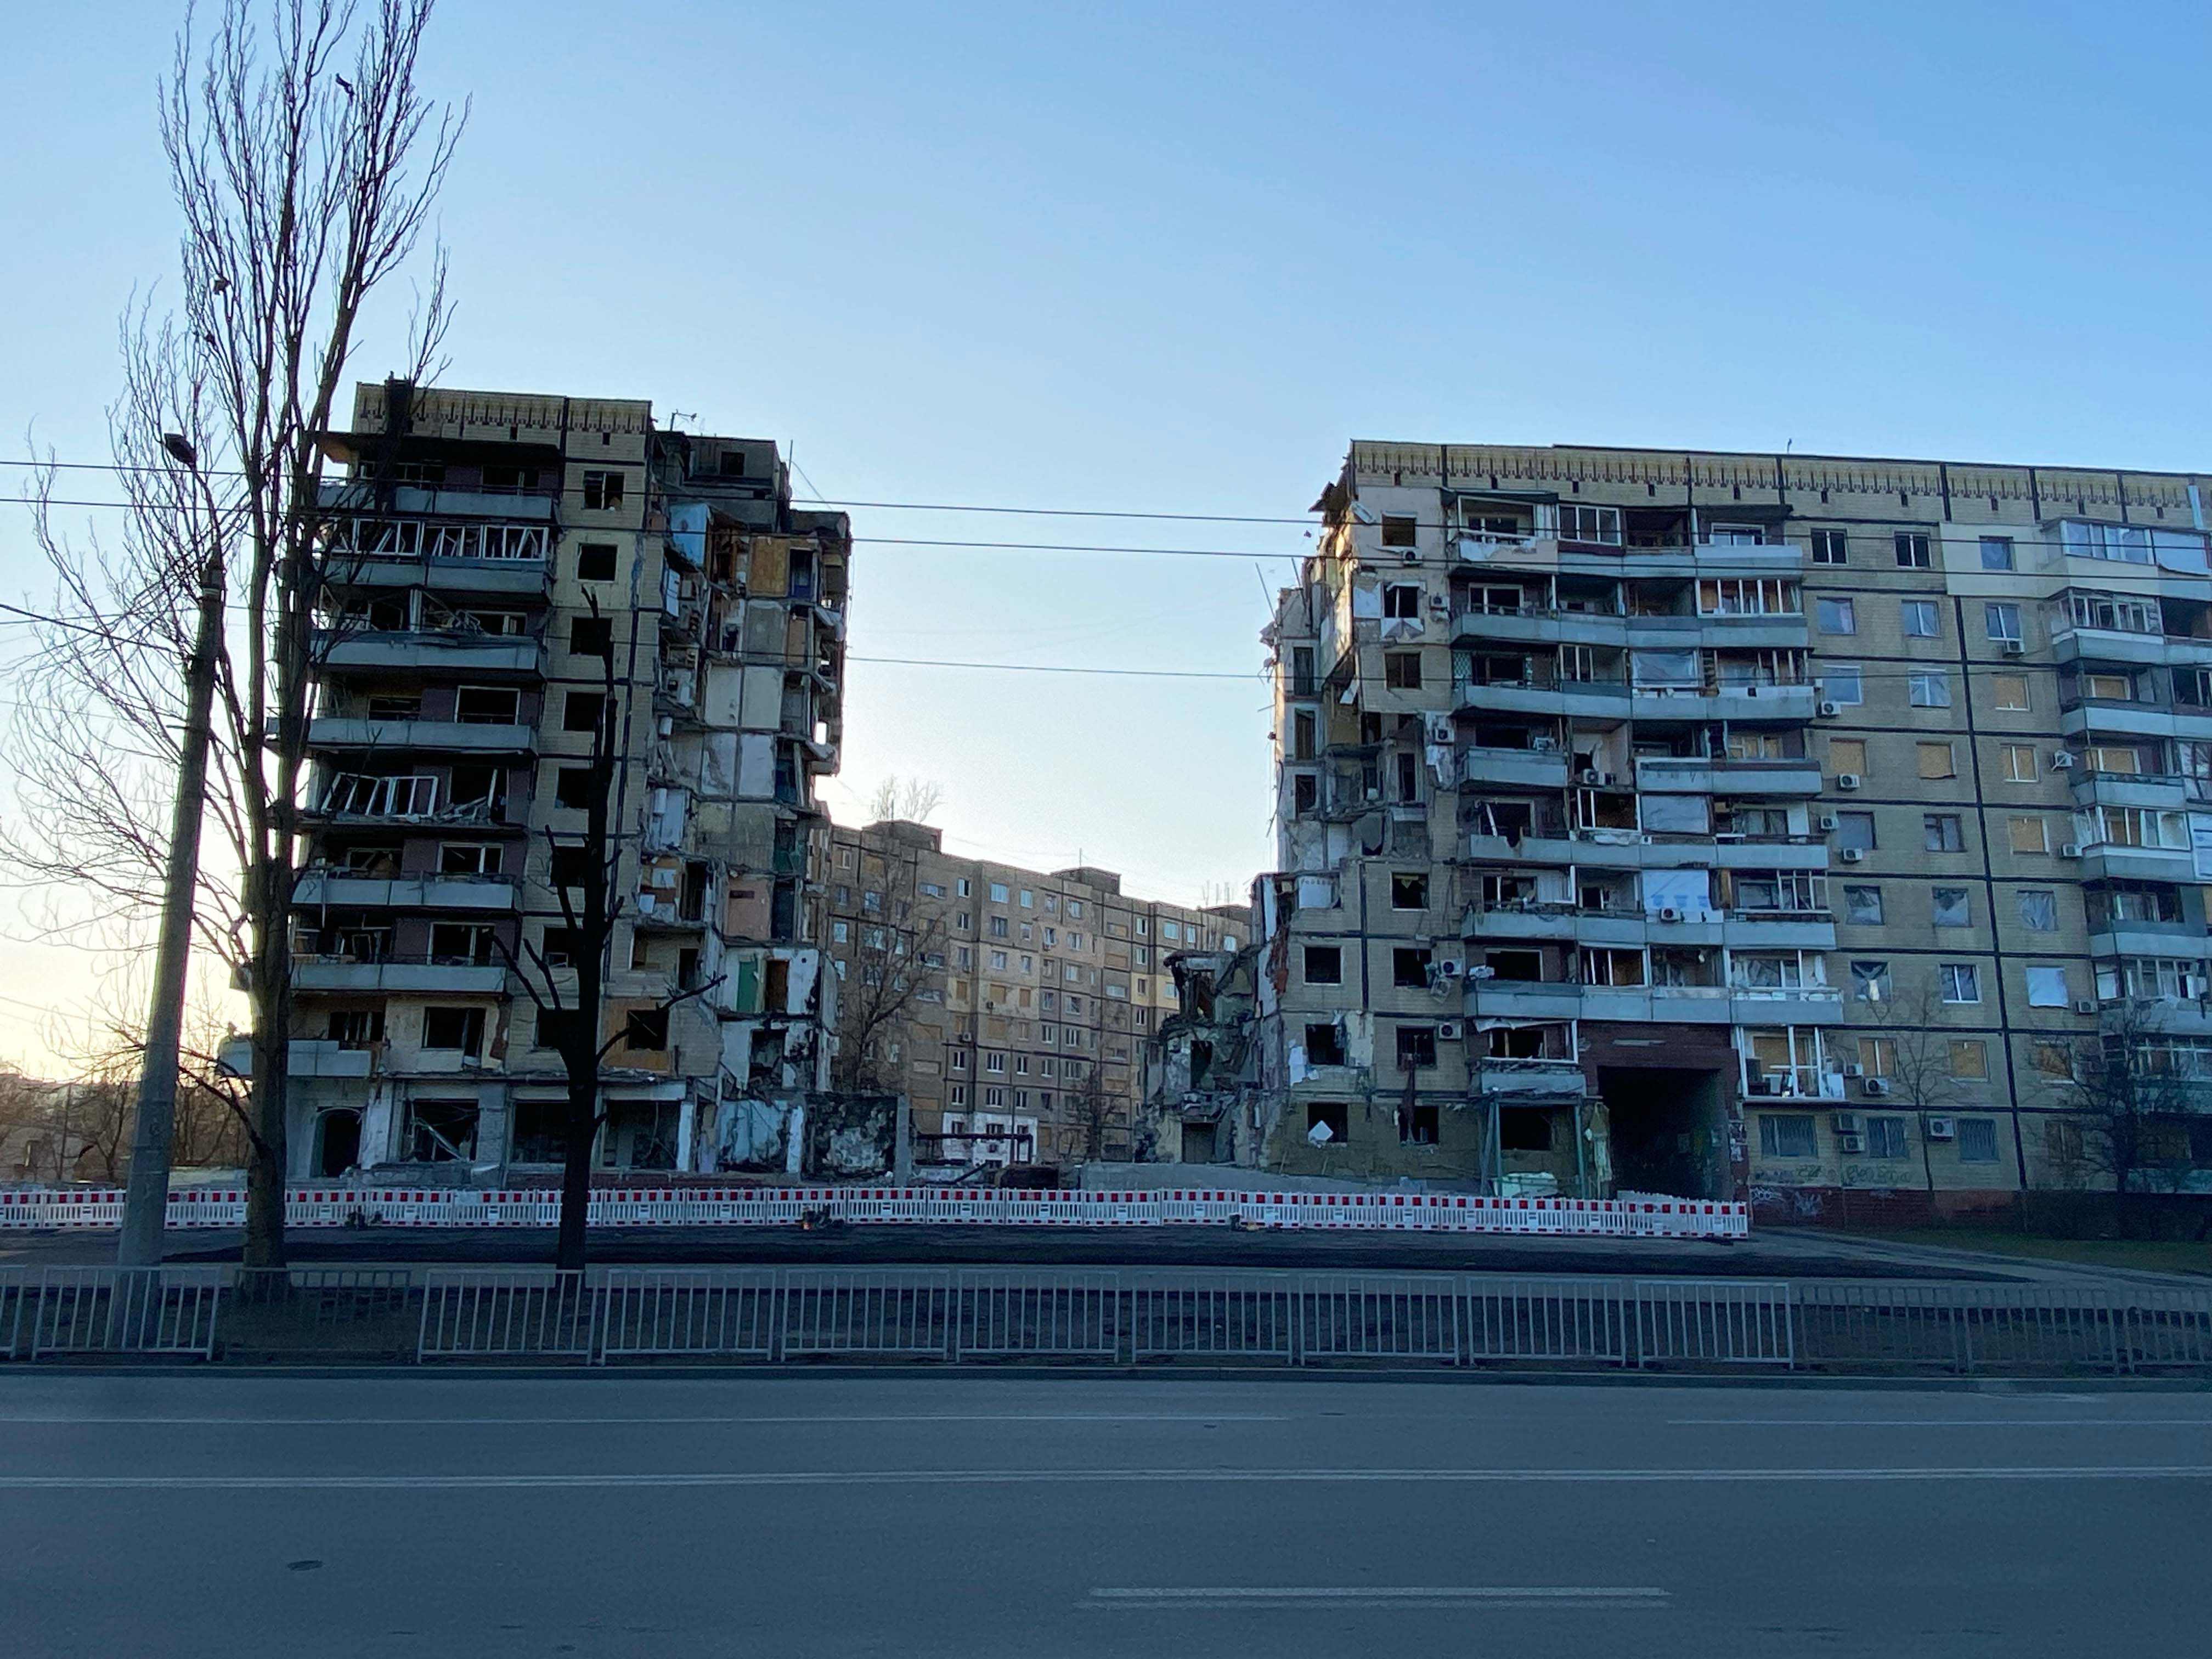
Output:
x,y
740,1207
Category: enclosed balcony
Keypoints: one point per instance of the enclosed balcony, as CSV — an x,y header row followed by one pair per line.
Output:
x,y
1726,775
432,651
361,733
351,973
429,892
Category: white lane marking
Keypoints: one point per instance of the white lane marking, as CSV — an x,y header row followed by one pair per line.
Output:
x,y
1944,1422
1075,1477
541,1422
1181,1595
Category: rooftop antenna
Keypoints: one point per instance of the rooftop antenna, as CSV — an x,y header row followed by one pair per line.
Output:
x,y
676,415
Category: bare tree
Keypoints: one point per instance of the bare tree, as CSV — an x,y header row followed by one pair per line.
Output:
x,y
568,986
305,160
2129,1112
1090,1112
1918,1065
909,799
897,957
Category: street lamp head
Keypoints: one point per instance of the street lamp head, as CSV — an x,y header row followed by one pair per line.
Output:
x,y
181,449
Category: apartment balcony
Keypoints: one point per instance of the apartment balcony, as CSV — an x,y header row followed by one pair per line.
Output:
x,y
2083,717
2149,938
1701,559
1515,768
430,652
304,1057
344,732
2110,861
1529,1082
416,974
475,893
355,496
2161,791
2103,645
1523,999
1582,699
1743,703
1721,775
1535,921
1778,930
2166,1016
1626,849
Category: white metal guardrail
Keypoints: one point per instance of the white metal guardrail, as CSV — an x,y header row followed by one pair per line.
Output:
x,y
1124,1316
740,1206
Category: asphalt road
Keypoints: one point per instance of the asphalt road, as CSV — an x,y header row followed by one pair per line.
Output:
x,y
901,1516
1768,1253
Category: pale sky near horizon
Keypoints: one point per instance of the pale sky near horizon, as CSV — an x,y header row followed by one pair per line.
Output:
x,y
1170,259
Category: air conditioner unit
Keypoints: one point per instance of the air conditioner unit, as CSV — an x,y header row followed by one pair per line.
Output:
x,y
1451,967
2016,647
1850,1143
1830,710
2063,760
1440,728
2085,1004
1852,1068
1448,1030
1411,556
1848,779
1829,821
2072,849
1852,855
1876,1085
1670,914
1844,1123
1943,1128
1544,745
1440,603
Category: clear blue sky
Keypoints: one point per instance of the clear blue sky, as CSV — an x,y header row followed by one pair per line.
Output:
x,y
1172,257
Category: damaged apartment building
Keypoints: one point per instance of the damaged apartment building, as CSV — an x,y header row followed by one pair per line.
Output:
x,y
1202,1066
493,558
1737,826
1012,1007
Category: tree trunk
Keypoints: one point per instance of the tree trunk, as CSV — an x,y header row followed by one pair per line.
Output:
x,y
266,1156
576,1167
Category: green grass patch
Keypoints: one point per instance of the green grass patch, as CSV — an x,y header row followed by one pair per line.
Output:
x,y
2151,1256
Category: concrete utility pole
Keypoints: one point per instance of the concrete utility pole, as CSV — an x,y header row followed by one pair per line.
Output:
x,y
146,1200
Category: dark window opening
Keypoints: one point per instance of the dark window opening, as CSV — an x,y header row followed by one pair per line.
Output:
x,y
603,491
1399,532
555,1026
1419,1127
1333,1116
572,866
581,713
1409,970
592,636
1324,964
1402,670
1523,1129
1305,793
572,787
1324,1045
595,561
1409,893
460,1028
645,1030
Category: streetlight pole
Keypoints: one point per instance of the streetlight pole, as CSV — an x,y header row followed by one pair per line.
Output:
x,y
146,1200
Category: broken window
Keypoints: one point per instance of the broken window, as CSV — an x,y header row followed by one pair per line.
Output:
x,y
571,867
1409,893
1402,600
1324,964
595,561
645,1030
1402,670
463,944
1419,1127
1328,1121
510,480
468,859
453,1029
581,713
1409,968
486,705
1399,530
356,1028
1324,1044
592,636
561,948
1417,1046
441,1131
1305,793
603,491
